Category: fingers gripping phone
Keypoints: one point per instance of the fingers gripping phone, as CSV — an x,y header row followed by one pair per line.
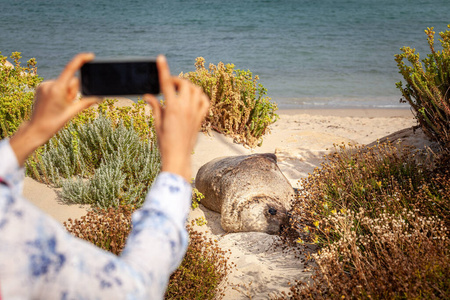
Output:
x,y
119,77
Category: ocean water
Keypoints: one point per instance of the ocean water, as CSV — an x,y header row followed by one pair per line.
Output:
x,y
307,53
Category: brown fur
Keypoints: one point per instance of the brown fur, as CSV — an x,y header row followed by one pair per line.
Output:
x,y
249,191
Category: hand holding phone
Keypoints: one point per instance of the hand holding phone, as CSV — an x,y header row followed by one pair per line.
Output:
x,y
119,77
178,121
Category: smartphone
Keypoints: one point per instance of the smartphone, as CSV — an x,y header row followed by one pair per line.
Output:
x,y
119,77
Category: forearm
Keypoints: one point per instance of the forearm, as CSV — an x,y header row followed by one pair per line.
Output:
x,y
10,171
25,141
159,231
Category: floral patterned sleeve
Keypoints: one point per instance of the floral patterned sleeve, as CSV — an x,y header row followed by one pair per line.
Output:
x,y
40,260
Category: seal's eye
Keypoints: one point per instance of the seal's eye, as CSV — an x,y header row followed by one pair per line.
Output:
x,y
272,211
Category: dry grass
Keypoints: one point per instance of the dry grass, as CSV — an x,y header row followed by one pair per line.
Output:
x,y
380,217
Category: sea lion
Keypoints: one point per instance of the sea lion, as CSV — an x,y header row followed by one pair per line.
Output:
x,y
250,192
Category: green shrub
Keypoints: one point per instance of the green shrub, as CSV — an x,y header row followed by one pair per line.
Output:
x,y
239,107
17,87
130,116
98,163
427,87
204,266
380,217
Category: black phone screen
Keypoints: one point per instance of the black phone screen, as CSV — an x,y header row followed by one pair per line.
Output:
x,y
103,78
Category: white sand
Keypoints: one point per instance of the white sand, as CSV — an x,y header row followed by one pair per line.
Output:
x,y
299,138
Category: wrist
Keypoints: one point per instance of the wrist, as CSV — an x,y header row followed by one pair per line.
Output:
x,y
178,165
25,141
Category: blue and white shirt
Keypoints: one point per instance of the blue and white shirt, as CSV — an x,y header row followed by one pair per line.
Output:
x,y
39,259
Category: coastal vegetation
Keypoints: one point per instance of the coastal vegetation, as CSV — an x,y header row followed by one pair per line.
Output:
x,y
17,84
379,219
101,157
239,105
427,87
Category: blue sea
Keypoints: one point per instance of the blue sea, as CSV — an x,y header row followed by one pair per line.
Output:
x,y
307,53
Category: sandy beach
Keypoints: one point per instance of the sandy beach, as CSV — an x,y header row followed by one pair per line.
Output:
x,y
300,139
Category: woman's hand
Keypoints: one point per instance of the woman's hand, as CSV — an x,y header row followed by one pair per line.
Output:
x,y
54,105
178,122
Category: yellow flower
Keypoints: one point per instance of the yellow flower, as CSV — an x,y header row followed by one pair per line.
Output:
x,y
316,223
299,241
316,239
333,211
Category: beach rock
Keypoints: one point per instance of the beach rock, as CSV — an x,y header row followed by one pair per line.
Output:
x,y
250,192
